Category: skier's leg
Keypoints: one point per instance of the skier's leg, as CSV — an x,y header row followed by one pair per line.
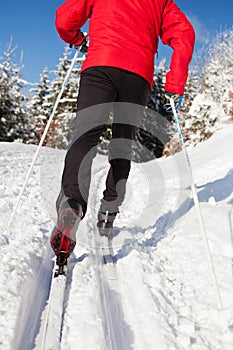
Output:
x,y
132,96
128,112
119,158
94,102
120,155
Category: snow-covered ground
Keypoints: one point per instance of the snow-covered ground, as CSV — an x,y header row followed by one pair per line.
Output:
x,y
161,295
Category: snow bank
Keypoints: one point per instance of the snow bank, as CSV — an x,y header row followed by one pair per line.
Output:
x,y
162,296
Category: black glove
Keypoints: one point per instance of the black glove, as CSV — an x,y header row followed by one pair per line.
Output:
x,y
83,47
176,98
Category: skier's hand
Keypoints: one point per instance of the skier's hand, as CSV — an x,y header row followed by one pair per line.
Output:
x,y
83,47
176,98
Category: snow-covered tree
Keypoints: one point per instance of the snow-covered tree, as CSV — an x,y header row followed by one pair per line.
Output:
x,y
39,107
217,72
186,118
201,122
192,88
212,100
156,127
14,123
63,124
156,96
46,93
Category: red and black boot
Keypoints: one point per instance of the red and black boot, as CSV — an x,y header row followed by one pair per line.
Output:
x,y
63,238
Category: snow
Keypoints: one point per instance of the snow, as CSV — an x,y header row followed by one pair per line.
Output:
x,y
159,294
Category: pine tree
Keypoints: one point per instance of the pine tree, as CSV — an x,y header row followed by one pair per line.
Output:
x,y
156,127
202,119
217,72
156,96
14,123
39,107
214,98
42,103
192,88
61,129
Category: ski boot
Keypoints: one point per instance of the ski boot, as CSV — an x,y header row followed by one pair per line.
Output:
x,y
63,236
61,264
105,222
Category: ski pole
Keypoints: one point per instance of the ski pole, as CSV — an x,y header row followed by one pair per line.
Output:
x,y
43,136
197,205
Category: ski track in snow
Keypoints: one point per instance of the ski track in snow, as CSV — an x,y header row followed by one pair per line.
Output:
x,y
160,294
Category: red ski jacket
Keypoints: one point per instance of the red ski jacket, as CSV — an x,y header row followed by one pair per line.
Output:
x,y
125,34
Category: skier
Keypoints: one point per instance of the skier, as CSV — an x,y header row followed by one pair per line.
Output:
x,y
118,67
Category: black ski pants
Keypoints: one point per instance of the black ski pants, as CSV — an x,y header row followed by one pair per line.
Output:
x,y
104,90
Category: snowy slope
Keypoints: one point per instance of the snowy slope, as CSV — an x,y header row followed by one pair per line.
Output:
x,y
160,296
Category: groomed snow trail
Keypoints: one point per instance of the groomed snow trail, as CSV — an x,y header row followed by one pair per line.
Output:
x,y
160,295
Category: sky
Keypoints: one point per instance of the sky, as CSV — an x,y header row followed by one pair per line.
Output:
x,y
31,26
